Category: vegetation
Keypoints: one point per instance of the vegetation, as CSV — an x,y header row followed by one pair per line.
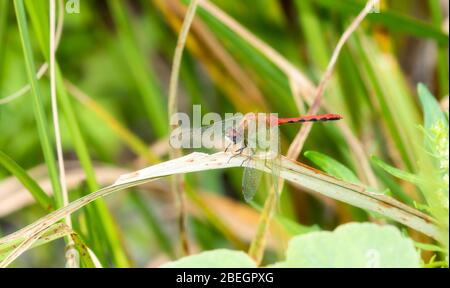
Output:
x,y
85,105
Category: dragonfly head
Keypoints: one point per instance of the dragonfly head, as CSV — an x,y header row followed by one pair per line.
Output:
x,y
234,135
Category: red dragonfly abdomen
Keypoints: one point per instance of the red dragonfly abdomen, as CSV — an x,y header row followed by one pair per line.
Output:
x,y
312,118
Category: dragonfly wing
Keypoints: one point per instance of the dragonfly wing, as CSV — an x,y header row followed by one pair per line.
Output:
x,y
275,167
192,137
250,182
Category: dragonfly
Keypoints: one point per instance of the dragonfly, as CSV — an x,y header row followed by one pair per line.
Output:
x,y
254,136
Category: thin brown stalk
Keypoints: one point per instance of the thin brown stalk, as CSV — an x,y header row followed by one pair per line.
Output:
x,y
177,181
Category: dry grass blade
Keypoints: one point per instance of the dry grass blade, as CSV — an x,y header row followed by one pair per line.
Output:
x,y
23,246
55,113
302,175
177,181
54,232
14,196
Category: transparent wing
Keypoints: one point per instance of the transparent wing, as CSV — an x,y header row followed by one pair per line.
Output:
x,y
250,182
275,167
222,125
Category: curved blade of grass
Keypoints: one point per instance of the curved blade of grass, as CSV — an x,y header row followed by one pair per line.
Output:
x,y
41,197
295,172
54,232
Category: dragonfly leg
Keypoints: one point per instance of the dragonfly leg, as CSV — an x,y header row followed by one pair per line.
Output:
x,y
228,147
248,158
245,160
239,152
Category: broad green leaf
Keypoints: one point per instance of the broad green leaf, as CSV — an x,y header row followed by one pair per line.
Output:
x,y
220,258
431,109
355,245
332,167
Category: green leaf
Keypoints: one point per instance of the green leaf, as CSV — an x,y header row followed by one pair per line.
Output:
x,y
431,109
355,245
332,167
397,172
220,258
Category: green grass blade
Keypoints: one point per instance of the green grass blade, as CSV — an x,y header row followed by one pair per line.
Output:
x,y
145,80
4,9
152,222
388,92
39,110
38,11
32,186
389,19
